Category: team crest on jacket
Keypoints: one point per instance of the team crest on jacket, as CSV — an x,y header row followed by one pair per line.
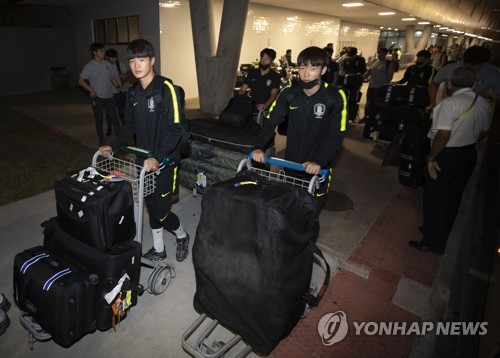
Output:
x,y
319,110
151,104
269,83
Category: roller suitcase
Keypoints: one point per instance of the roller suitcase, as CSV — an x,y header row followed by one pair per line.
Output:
x,y
215,155
213,131
56,293
98,212
350,81
251,278
110,267
413,150
402,95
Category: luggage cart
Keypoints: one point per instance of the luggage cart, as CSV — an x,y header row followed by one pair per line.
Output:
x,y
143,184
214,340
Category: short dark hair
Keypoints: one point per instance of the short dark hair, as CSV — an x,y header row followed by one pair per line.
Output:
x,y
328,50
463,77
111,53
139,48
351,51
96,46
424,53
475,55
268,51
314,56
383,49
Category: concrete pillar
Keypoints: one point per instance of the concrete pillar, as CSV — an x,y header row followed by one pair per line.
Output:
x,y
410,39
216,68
450,40
426,35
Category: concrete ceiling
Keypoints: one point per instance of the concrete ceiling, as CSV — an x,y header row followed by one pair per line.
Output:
x,y
480,17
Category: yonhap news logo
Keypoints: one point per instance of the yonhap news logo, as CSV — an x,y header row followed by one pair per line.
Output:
x,y
333,328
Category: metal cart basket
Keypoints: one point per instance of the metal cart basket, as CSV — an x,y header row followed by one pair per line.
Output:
x,y
143,184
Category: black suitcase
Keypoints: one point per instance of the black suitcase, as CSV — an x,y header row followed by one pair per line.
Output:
x,y
57,294
379,121
410,116
350,81
110,266
215,155
216,133
253,257
402,95
95,211
238,111
413,150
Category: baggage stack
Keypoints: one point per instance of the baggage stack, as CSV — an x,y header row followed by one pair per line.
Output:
x,y
219,145
398,115
86,275
253,258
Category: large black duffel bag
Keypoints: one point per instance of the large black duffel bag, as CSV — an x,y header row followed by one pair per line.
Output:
x,y
253,258
238,111
95,211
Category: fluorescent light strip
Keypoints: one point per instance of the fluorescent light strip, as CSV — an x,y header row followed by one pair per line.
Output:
x,y
424,23
408,19
386,13
353,4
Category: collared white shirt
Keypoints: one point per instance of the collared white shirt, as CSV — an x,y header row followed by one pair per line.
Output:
x,y
464,131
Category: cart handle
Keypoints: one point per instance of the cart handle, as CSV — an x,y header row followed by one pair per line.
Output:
x,y
289,165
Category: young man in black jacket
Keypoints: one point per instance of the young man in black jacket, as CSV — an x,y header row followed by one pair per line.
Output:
x,y
317,117
159,131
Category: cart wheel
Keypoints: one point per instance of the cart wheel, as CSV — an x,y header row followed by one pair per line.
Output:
x,y
159,279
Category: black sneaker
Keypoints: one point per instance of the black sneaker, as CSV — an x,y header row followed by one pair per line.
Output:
x,y
4,303
182,248
153,255
4,322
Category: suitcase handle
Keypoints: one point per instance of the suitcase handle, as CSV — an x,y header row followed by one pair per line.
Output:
x,y
290,165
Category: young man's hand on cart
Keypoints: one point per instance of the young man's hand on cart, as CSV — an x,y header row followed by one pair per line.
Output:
x,y
105,151
258,155
311,168
151,164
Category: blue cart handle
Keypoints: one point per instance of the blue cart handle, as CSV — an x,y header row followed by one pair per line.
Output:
x,y
290,165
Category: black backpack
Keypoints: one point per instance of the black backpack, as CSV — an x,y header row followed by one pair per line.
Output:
x,y
158,88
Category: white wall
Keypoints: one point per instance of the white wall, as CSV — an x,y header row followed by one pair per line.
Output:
x,y
29,53
364,37
266,26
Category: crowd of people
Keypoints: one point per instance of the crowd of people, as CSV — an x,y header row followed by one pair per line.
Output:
x,y
315,108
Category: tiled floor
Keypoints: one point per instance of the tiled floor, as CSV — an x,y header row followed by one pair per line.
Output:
x,y
391,263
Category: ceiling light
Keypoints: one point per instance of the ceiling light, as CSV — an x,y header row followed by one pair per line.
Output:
x,y
408,19
387,13
395,29
443,28
381,27
424,23
353,4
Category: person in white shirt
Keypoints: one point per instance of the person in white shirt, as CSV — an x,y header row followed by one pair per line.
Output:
x,y
459,122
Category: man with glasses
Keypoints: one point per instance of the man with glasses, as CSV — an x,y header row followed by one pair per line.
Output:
x,y
99,77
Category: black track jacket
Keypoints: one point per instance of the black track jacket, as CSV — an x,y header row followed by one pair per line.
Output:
x,y
315,125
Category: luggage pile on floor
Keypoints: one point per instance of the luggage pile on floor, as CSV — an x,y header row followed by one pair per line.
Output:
x,y
351,84
86,274
218,145
398,113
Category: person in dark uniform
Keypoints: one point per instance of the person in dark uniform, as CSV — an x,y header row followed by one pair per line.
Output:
x,y
263,81
458,123
421,73
317,119
332,70
158,131
353,63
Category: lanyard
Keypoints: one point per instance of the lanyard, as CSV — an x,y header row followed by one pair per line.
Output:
x,y
464,113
